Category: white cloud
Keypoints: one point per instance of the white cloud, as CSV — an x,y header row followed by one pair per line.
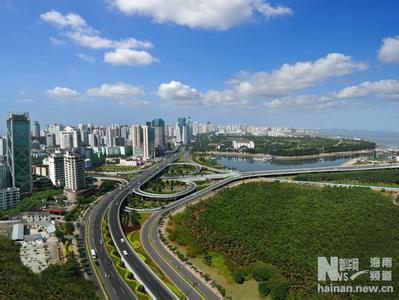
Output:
x,y
304,102
69,20
83,35
63,93
295,77
389,51
382,89
92,40
210,14
179,93
56,41
385,89
86,57
275,88
129,57
119,91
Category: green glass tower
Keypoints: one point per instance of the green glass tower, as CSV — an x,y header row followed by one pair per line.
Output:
x,y
18,151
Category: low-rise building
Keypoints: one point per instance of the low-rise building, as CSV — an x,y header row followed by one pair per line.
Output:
x,y
36,217
131,162
241,143
18,232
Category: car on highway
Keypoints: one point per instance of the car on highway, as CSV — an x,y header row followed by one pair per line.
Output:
x,y
124,252
122,241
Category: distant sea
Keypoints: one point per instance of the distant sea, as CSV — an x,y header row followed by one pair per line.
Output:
x,y
381,138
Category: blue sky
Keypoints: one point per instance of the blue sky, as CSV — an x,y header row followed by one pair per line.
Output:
x,y
312,64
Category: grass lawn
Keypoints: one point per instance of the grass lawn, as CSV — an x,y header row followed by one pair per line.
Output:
x,y
115,168
221,274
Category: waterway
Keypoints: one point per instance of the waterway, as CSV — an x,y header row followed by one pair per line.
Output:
x,y
251,164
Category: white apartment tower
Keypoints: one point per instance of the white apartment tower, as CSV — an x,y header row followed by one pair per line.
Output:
x,y
70,138
74,166
56,169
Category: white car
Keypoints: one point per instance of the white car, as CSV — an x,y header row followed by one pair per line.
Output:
x,y
122,241
124,252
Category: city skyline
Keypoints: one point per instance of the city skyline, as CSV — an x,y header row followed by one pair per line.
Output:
x,y
255,62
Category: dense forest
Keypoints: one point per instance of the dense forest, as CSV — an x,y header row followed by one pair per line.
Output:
x,y
287,226
56,282
283,146
383,177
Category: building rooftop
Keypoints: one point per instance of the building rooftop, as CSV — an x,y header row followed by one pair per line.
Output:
x,y
18,232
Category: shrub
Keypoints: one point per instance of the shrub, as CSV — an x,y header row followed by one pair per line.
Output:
x,y
263,288
261,273
280,291
238,278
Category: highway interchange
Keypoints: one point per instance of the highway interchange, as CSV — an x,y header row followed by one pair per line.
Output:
x,y
113,285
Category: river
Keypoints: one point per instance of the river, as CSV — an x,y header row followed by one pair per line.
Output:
x,y
251,164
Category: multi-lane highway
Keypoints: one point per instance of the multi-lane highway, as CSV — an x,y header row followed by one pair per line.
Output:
x,y
172,267
105,274
154,286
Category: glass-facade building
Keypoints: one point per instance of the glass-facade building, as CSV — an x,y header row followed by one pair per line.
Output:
x,y
18,151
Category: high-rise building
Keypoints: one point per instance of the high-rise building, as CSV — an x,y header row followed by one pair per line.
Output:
x,y
148,142
3,146
159,140
9,198
35,129
74,166
189,129
93,140
56,169
55,129
136,135
70,138
3,177
196,128
18,151
50,140
181,131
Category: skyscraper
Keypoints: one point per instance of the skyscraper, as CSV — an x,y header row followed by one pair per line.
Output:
x,y
70,138
56,169
3,176
74,166
189,129
136,136
181,131
55,129
35,129
18,151
159,143
3,146
148,142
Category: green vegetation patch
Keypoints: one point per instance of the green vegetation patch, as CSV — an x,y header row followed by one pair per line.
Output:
x,y
282,146
389,177
177,170
160,186
283,228
33,202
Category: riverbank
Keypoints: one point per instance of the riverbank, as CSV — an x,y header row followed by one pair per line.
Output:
x,y
282,158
